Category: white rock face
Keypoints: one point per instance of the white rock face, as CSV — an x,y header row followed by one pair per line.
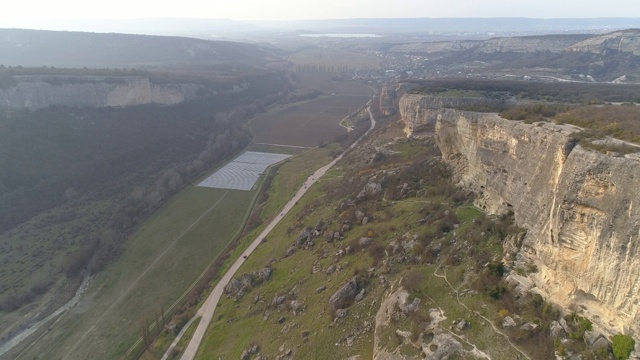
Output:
x,y
39,92
420,112
580,207
618,41
141,91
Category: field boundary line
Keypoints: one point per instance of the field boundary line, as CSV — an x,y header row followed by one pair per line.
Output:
x,y
144,273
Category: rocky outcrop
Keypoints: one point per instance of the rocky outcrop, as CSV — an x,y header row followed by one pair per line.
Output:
x,y
580,207
420,112
35,92
626,41
389,96
529,44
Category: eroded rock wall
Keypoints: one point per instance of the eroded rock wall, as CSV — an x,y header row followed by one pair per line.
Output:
x,y
35,93
580,207
619,41
420,112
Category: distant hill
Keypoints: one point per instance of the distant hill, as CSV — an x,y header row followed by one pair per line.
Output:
x,y
79,49
459,25
190,27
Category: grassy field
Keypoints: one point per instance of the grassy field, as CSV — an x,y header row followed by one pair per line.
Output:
x,y
160,262
306,124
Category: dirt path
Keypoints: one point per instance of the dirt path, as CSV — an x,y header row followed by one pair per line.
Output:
x,y
495,329
209,306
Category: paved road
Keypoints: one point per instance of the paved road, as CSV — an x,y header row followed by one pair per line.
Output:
x,y
209,306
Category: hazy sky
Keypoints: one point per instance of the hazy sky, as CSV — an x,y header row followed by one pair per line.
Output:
x,y
313,9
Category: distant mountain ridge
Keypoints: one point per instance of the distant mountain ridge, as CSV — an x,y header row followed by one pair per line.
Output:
x,y
35,48
459,25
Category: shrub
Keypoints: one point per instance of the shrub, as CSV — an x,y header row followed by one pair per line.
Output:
x,y
622,346
496,269
413,280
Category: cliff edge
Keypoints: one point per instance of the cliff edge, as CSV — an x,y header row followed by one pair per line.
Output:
x,y
580,207
35,92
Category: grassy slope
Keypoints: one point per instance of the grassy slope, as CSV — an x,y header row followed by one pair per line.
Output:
x,y
119,298
239,324
289,178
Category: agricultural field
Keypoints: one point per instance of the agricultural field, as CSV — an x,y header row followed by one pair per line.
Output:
x,y
306,124
333,60
325,83
281,182
162,260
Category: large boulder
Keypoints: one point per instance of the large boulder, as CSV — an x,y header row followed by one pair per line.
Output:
x,y
345,295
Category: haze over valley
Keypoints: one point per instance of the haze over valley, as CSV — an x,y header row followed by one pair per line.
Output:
x,y
347,181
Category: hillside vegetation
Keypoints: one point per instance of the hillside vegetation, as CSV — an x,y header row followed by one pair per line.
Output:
x,y
76,182
386,220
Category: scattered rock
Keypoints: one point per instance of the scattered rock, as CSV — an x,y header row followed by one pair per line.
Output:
x,y
508,322
556,330
330,270
245,355
409,307
365,241
351,339
304,236
406,335
462,324
370,190
237,287
365,220
342,313
296,306
529,326
360,295
281,319
321,289
278,300
290,251
564,325
345,295
595,340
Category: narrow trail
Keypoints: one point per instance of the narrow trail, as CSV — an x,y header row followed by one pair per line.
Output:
x,y
208,308
495,329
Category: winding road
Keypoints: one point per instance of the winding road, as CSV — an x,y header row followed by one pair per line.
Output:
x,y
209,306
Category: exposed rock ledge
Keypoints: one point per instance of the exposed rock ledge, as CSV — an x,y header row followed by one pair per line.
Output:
x,y
33,92
581,208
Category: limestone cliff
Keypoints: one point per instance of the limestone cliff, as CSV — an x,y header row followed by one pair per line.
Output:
x,y
419,112
580,207
34,92
619,41
528,44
